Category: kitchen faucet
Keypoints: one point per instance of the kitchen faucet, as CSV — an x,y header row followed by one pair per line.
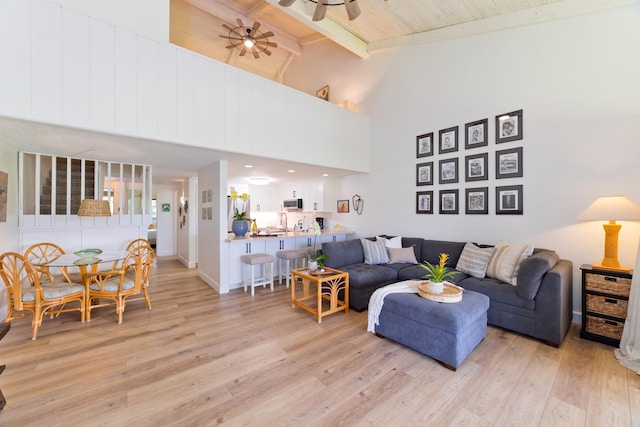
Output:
x,y
284,223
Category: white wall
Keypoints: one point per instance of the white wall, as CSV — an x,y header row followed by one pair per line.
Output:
x,y
577,82
149,18
166,241
187,235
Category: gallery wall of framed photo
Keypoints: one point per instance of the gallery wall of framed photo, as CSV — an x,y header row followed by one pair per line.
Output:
x,y
453,179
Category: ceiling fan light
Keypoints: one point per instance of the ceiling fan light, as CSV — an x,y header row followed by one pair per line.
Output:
x,y
248,43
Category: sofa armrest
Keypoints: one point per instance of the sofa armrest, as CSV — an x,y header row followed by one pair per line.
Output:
x,y
554,303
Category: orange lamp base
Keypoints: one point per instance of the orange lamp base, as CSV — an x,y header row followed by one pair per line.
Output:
x,y
610,260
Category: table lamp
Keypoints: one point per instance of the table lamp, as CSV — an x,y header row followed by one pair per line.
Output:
x,y
612,209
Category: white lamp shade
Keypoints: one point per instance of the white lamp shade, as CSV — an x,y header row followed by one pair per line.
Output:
x,y
611,208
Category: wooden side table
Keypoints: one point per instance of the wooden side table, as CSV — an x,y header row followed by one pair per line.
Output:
x,y
605,297
4,328
320,292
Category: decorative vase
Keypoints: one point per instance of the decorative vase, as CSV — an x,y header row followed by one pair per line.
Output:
x,y
313,265
436,287
240,227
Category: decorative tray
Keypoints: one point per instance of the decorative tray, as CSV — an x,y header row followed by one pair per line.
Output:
x,y
450,294
88,252
320,273
88,260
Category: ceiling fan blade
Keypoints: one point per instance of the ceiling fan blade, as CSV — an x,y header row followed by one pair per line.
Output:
x,y
255,53
264,50
243,51
240,24
264,35
230,46
229,38
320,12
286,3
233,30
255,27
353,10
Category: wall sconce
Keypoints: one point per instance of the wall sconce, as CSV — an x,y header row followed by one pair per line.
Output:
x,y
611,208
91,207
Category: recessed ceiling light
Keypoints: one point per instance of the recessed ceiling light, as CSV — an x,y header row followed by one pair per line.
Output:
x,y
325,174
248,166
291,170
259,181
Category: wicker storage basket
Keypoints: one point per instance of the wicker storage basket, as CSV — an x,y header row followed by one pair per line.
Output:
x,y
609,306
604,327
609,284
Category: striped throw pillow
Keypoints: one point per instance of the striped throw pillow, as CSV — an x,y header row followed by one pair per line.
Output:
x,y
474,260
374,252
505,260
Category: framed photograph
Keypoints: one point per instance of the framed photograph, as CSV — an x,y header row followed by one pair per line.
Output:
x,y
475,167
4,186
323,93
204,213
166,207
204,196
209,213
209,195
448,140
476,134
343,206
424,202
448,171
477,200
449,202
179,210
424,145
509,200
509,127
509,163
424,173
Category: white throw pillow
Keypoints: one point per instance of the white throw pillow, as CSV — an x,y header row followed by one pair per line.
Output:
x,y
374,252
474,260
402,255
504,261
394,242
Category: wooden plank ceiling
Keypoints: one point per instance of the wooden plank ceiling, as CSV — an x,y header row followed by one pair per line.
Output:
x,y
382,25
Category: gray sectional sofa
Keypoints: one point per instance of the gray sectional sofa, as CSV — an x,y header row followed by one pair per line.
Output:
x,y
539,305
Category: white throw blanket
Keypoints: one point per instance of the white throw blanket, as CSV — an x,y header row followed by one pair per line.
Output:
x,y
377,299
629,352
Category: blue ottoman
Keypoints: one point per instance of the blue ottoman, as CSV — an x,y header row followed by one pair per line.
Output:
x,y
447,332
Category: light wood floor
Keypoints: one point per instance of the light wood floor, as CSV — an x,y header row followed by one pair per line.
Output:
x,y
200,359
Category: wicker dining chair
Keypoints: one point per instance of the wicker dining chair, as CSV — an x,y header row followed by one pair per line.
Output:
x,y
26,294
128,282
45,251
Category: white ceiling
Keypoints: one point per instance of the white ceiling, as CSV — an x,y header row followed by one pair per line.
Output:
x,y
196,24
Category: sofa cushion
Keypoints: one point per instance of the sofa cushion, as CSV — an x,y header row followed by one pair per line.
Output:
x,y
416,243
401,255
364,275
391,242
431,250
375,252
532,271
497,291
474,260
505,259
343,253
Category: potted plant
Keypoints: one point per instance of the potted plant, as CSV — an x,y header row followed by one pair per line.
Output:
x,y
240,224
437,274
317,258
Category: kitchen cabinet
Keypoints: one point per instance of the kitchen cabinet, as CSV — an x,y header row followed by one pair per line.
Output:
x,y
261,199
237,248
605,297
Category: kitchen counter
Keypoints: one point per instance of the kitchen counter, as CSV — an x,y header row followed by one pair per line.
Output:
x,y
287,235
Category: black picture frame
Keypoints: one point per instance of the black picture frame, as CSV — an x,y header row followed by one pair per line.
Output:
x,y
509,127
424,145
476,167
343,206
449,202
509,163
509,200
448,140
424,173
448,171
476,134
424,202
477,201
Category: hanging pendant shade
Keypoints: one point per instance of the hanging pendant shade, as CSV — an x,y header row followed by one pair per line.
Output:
x,y
91,207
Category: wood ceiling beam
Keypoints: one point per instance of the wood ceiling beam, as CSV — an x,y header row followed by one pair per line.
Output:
x,y
328,28
229,15
536,15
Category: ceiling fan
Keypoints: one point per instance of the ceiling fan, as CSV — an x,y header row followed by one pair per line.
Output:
x,y
248,39
353,11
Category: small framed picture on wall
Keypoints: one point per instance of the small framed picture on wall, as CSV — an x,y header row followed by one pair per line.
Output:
x,y
424,202
476,167
509,200
477,201
448,140
448,171
476,134
449,201
424,173
424,145
509,127
509,163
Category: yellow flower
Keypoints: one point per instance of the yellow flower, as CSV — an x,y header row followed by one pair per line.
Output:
x,y
244,196
443,259
234,194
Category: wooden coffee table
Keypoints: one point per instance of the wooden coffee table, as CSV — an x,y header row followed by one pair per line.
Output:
x,y
320,291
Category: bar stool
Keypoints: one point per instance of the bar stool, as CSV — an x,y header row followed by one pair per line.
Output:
x,y
265,278
290,258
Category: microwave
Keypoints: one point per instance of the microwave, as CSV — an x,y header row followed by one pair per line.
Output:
x,y
292,204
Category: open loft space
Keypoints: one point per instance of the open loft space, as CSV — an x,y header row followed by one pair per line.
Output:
x,y
441,194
